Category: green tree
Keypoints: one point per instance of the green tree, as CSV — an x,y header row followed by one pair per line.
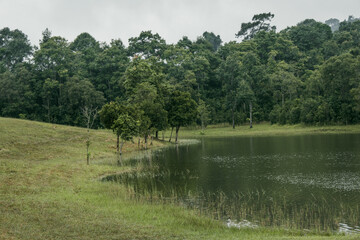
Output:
x,y
79,93
285,83
333,23
181,110
107,70
125,127
260,22
246,95
17,95
341,74
14,48
203,111
230,72
146,45
123,120
309,34
213,39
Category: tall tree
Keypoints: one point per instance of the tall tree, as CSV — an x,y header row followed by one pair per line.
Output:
x,y
246,95
182,110
309,34
108,68
14,47
230,75
260,22
147,45
213,39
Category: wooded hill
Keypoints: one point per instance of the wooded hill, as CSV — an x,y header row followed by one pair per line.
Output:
x,y
307,73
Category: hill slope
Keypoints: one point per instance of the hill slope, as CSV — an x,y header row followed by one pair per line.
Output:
x,y
48,192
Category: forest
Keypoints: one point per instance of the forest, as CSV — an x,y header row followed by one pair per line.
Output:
x,y
308,73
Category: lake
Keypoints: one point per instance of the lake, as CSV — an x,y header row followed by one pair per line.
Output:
x,y
303,182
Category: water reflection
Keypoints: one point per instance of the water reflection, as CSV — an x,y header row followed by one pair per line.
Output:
x,y
298,181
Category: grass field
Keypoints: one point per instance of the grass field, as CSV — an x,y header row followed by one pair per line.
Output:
x,y
48,192
264,129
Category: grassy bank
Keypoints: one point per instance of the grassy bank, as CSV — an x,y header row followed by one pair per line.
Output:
x,y
264,129
48,192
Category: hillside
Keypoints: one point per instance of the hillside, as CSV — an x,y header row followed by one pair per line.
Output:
x,y
48,192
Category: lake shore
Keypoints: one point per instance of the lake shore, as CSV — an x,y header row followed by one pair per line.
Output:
x,y
265,129
47,191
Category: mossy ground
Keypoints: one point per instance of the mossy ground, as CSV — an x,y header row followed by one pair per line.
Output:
x,y
48,192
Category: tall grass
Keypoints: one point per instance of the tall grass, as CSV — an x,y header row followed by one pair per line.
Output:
x,y
319,214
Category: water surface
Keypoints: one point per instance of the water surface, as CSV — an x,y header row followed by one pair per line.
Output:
x,y
310,181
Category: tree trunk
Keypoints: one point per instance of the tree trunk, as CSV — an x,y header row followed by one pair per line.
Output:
x,y
87,152
250,106
171,133
48,108
233,119
139,143
117,143
157,135
145,141
177,134
120,152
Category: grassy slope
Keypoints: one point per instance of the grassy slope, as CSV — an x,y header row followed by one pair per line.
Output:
x,y
266,130
48,192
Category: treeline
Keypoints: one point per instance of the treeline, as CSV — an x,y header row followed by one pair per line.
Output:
x,y
303,74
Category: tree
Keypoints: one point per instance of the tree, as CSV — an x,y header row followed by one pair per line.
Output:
x,y
17,95
213,39
203,114
79,93
106,71
14,47
90,115
182,110
123,120
309,34
333,23
108,115
146,45
125,127
54,64
260,22
144,84
246,95
230,72
284,83
86,49
340,74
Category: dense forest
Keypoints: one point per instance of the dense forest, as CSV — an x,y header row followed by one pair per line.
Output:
x,y
308,73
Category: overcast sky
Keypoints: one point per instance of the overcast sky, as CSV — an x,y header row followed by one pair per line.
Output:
x,y
172,19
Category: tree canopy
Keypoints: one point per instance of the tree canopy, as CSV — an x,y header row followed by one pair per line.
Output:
x,y
305,73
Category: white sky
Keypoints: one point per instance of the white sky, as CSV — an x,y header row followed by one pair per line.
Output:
x,y
172,19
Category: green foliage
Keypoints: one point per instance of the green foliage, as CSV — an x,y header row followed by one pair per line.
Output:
x,y
146,45
260,22
310,34
181,109
305,73
213,39
126,126
14,47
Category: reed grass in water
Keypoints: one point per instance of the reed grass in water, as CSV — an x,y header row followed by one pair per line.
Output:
x,y
319,214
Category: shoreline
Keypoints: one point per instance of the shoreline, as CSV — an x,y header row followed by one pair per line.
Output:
x,y
49,192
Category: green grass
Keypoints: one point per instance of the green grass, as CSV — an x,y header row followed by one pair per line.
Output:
x,y
264,129
48,192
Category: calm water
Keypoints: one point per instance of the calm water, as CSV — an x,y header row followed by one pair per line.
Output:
x,y
293,181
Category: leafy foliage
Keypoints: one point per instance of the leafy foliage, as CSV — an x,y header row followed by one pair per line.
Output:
x,y
306,73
